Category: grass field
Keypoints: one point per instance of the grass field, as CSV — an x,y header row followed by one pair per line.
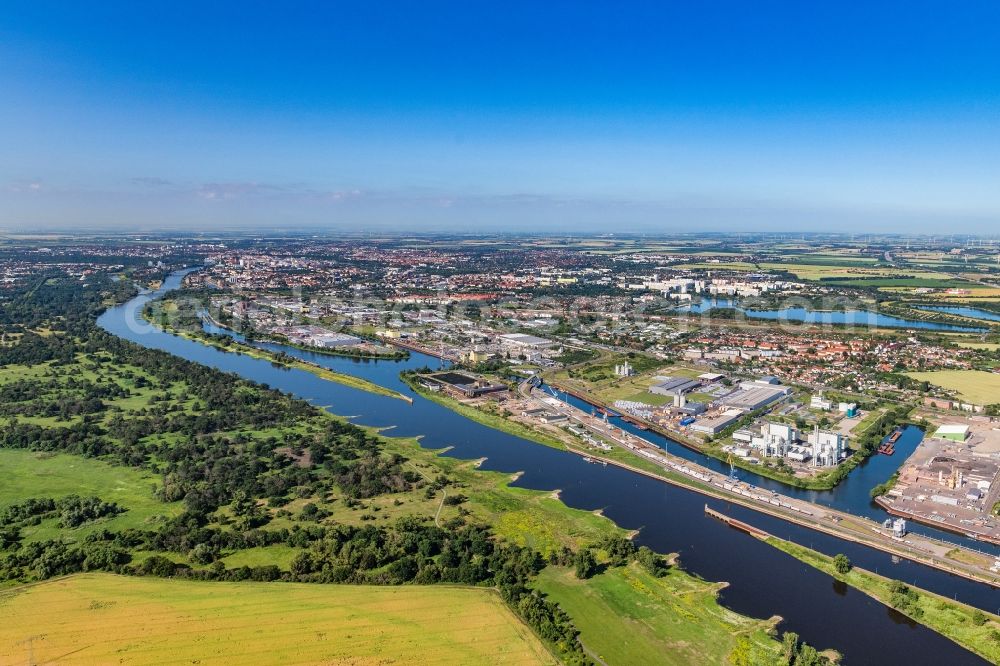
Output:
x,y
976,386
988,346
669,620
279,555
27,474
525,517
103,619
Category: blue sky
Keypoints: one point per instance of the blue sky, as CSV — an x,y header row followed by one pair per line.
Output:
x,y
521,116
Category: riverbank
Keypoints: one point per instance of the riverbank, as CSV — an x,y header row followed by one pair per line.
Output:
x,y
627,454
230,344
349,352
824,481
624,458
656,611
912,309
678,614
667,517
488,419
856,529
973,629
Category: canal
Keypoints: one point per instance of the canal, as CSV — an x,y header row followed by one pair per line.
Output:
x,y
852,495
762,581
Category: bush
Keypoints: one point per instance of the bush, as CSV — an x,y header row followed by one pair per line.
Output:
x,y
586,564
157,565
652,562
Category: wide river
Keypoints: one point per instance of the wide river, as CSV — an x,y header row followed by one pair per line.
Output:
x,y
763,581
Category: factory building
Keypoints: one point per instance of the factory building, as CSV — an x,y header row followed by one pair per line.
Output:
x,y
819,402
477,355
716,424
849,409
754,395
780,440
955,433
674,386
525,340
828,448
775,439
624,370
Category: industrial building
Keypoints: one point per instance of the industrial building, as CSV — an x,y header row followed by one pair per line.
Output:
x,y
754,395
716,424
775,440
828,448
525,340
819,402
674,386
462,384
849,409
624,370
780,440
955,433
477,355
317,336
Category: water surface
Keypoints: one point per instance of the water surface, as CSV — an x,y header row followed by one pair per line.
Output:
x,y
963,311
865,318
763,581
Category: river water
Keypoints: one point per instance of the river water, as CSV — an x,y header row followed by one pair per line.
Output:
x,y
963,311
851,495
763,581
865,318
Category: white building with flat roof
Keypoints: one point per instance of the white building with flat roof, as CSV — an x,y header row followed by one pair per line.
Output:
x,y
780,440
525,340
774,439
716,424
956,433
828,448
819,402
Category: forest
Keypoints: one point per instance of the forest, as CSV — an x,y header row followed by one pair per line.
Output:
x,y
232,455
231,451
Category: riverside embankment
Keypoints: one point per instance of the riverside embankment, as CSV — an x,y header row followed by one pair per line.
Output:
x,y
762,581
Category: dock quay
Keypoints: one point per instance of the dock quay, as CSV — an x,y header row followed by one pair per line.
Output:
x,y
969,531
677,471
637,421
738,524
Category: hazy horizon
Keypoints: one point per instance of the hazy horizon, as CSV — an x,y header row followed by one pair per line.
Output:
x,y
442,117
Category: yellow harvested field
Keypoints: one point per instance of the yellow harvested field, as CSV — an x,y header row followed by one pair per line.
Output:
x,y
105,619
976,386
989,346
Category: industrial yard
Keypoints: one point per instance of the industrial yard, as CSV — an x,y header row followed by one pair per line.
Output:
x,y
952,480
